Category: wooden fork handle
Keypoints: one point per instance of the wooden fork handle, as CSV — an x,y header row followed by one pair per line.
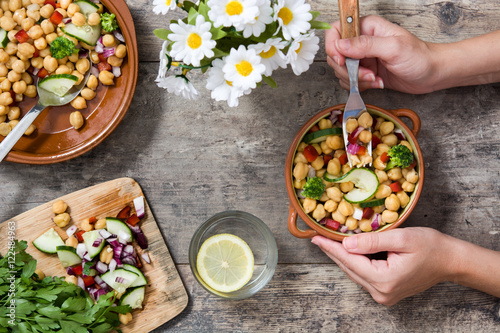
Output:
x,y
349,18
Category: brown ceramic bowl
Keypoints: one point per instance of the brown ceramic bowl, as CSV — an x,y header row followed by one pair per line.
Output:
x,y
295,208
55,140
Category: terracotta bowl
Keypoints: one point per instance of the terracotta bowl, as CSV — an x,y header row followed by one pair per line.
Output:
x,y
55,140
295,208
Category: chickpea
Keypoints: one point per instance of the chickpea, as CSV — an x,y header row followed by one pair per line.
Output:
x,y
351,124
106,77
322,124
383,191
62,220
40,274
87,93
27,23
14,76
50,64
392,202
13,123
3,119
72,9
394,174
30,91
40,43
125,318
406,186
7,23
381,175
4,110
334,193
108,40
386,127
62,61
121,51
82,65
63,69
30,130
92,83
299,184
59,207
76,119
354,159
117,62
11,35
4,5
390,139
37,62
94,57
5,85
389,216
78,75
381,148
334,167
5,129
404,199
18,98
47,27
14,113
318,163
365,120
62,11
365,225
351,223
299,157
35,32
4,56
299,171
412,176
101,8
331,206
346,168
407,144
18,66
73,57
11,48
378,164
94,19
19,87
324,147
46,11
106,254
319,213
26,78
64,3
86,46
346,187
50,37
309,205
365,136
86,225
100,224
71,279
72,241
45,53
79,20
19,15
337,216
333,141
6,98
346,208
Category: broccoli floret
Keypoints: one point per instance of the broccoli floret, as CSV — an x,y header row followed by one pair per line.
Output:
x,y
401,156
314,188
108,22
61,47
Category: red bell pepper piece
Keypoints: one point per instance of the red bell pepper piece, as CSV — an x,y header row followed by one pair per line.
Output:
x,y
133,220
412,165
310,153
351,139
51,2
384,157
343,159
367,212
332,224
375,141
361,151
88,280
327,158
102,58
92,220
124,213
340,119
22,36
79,235
78,269
42,73
56,18
103,66
396,187
36,54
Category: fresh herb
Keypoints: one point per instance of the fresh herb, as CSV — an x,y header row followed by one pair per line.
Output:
x,y
61,47
108,22
49,305
401,156
314,188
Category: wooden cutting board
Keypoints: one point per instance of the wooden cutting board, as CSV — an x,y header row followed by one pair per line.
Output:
x,y
165,297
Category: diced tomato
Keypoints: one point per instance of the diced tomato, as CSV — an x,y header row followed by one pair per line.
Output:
x,y
310,153
375,141
56,18
343,159
42,73
367,212
351,139
102,58
36,54
412,165
22,36
395,187
327,158
133,220
315,128
79,235
51,2
384,157
103,66
88,280
362,150
78,269
92,220
341,117
331,224
124,213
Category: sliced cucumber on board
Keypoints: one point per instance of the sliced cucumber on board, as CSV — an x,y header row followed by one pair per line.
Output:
x,y
89,238
141,280
114,226
365,184
58,84
67,256
133,297
48,242
126,276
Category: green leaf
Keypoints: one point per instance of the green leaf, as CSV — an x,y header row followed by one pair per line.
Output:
x,y
102,328
192,16
24,307
188,5
73,304
81,318
162,33
314,14
122,309
269,81
46,323
320,25
219,53
72,327
52,312
203,10
217,33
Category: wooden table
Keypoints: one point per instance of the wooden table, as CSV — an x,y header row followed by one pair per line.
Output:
x,y
194,160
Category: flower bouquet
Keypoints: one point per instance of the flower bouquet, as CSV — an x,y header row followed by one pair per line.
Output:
x,y
238,42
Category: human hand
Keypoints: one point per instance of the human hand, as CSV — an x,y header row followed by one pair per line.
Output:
x,y
391,57
417,259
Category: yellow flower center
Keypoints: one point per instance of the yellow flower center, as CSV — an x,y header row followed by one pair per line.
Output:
x,y
244,68
194,41
229,83
269,53
300,47
286,15
234,8
168,2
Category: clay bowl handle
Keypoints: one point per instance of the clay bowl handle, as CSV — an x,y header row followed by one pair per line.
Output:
x,y
292,225
415,119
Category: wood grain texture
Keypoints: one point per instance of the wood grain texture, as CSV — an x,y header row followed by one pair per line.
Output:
x,y
165,294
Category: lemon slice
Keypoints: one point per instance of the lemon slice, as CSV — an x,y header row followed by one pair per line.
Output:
x,y
225,262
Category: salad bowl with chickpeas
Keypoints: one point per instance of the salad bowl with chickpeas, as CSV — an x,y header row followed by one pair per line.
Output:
x,y
376,193
56,43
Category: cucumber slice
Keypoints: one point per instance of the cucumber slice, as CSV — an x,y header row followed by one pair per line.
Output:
x,y
87,7
4,39
89,238
58,84
372,203
89,34
365,184
321,135
67,256
127,276
141,280
133,297
48,242
114,226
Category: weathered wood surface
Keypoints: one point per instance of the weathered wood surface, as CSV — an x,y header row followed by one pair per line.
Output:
x,y
196,159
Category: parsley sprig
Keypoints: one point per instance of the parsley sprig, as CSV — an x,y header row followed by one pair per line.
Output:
x,y
50,305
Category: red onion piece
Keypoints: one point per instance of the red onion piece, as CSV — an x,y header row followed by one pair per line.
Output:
x,y
99,47
119,36
80,283
139,201
97,242
334,116
105,234
358,231
343,229
112,265
83,53
117,72
311,173
146,258
119,279
129,249
399,133
299,194
113,242
353,149
123,237
70,271
375,222
117,251
108,51
142,241
323,221
101,267
130,261
66,20
356,132
358,214
86,256
71,231
35,71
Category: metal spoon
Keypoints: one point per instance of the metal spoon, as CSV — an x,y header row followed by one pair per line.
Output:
x,y
45,99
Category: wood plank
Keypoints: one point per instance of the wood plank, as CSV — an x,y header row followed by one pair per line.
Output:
x,y
320,298
431,20
165,293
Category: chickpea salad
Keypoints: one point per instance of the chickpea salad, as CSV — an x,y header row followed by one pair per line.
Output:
x,y
52,41
354,199
100,255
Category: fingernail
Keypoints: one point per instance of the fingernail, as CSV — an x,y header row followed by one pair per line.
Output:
x,y
350,243
336,59
380,84
369,77
342,44
314,241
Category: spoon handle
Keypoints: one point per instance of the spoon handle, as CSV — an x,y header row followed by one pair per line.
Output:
x,y
18,131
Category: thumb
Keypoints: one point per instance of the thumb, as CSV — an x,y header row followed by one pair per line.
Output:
x,y
367,47
373,242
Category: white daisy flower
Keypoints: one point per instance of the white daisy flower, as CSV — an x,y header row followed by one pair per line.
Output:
x,y
265,17
179,85
221,89
302,51
243,68
191,42
270,53
234,13
162,70
293,17
163,6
